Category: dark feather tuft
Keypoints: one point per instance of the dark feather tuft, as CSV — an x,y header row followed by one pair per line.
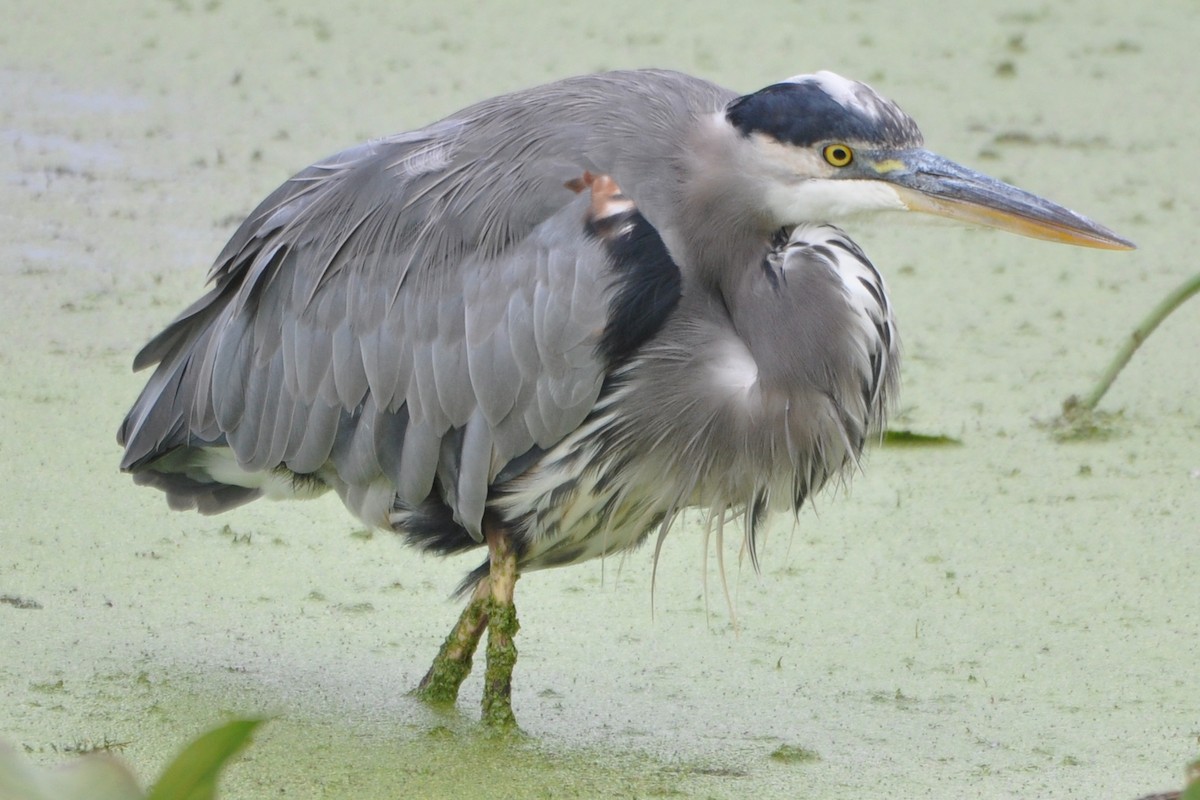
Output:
x,y
647,283
803,114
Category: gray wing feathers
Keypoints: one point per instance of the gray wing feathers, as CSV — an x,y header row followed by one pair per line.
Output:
x,y
451,383
416,309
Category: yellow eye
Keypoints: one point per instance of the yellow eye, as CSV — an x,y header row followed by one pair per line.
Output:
x,y
839,155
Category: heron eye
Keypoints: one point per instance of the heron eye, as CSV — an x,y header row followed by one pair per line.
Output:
x,y
839,155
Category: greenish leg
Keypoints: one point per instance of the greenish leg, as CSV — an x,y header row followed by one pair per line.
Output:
x,y
453,662
502,628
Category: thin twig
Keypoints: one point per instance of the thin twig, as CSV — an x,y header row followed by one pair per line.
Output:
x,y
1169,303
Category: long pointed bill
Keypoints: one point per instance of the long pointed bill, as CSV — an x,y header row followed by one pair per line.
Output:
x,y
927,182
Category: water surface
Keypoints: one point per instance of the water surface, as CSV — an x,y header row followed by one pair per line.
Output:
x,y
1013,617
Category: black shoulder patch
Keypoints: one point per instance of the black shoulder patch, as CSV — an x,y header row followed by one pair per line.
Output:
x,y
647,283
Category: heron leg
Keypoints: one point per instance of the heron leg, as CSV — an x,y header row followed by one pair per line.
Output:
x,y
502,628
453,662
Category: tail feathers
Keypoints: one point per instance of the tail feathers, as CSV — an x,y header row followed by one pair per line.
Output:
x,y
185,493
163,419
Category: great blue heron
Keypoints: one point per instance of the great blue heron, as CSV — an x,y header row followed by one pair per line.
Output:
x,y
551,321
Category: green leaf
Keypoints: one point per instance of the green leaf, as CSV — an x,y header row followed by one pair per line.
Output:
x,y
894,438
1192,792
193,773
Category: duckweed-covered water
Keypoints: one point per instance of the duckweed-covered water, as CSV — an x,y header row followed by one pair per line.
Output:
x,y
1011,617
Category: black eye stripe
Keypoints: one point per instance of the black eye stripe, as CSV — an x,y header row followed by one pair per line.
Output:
x,y
803,114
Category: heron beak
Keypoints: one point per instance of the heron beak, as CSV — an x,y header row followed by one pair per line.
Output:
x,y
927,182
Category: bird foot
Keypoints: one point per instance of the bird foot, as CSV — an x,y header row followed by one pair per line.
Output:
x,y
453,662
501,657
491,607
502,629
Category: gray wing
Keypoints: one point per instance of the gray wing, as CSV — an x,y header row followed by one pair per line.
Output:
x,y
421,308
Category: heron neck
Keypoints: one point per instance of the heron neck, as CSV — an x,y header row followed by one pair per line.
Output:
x,y
727,230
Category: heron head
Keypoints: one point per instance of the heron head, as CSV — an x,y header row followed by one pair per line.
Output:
x,y
825,147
